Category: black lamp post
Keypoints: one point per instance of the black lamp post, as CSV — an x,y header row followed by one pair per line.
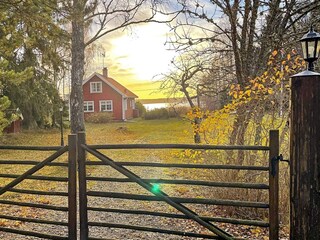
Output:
x,y
61,125
310,47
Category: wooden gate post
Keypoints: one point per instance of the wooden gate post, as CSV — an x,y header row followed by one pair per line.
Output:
x,y
84,231
274,185
72,187
305,157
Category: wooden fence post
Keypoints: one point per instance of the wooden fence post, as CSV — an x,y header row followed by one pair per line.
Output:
x,y
274,185
305,157
84,231
72,187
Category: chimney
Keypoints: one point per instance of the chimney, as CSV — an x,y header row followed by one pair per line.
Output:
x,y
105,72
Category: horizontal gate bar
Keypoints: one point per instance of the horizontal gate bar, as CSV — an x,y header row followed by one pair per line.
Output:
x,y
33,234
30,148
33,220
187,182
180,216
179,200
150,229
178,146
35,205
30,162
182,165
36,192
37,177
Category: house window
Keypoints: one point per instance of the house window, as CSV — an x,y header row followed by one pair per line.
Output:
x,y
88,106
133,104
106,106
95,87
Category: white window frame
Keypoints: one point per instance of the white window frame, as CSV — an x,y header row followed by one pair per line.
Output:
x,y
107,103
94,88
86,105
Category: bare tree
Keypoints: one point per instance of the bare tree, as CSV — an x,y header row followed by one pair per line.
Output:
x,y
185,77
250,29
102,17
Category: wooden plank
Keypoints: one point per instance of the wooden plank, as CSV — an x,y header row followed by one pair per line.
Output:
x,y
35,205
37,177
179,200
182,165
72,187
33,220
30,148
31,162
33,234
186,182
181,216
37,192
274,185
178,146
84,229
150,229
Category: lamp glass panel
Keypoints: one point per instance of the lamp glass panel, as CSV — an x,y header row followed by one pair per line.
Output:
x,y
318,48
311,52
304,49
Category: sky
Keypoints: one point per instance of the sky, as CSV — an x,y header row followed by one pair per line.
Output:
x,y
136,58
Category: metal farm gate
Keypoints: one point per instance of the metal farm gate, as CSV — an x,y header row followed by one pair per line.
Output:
x,y
80,159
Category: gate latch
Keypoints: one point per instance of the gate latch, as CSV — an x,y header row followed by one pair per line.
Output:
x,y
273,164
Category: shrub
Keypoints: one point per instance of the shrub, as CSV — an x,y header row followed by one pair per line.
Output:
x,y
101,117
178,111
161,113
142,110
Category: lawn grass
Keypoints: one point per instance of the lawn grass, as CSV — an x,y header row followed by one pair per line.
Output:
x,y
137,131
140,131
148,131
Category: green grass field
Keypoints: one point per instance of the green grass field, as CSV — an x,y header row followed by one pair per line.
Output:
x,y
137,131
152,131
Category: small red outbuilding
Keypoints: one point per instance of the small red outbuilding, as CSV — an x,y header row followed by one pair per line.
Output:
x,y
104,94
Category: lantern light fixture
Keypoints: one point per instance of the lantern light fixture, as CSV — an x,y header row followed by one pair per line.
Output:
x,y
310,47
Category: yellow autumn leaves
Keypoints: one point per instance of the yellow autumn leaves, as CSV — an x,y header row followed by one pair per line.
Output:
x,y
262,90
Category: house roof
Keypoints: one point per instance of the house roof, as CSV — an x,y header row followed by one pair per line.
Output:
x,y
113,84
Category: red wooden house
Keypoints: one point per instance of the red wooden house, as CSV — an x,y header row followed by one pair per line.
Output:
x,y
104,94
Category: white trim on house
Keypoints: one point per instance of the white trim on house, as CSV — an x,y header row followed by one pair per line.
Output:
x,y
125,104
102,79
107,103
87,104
123,108
94,87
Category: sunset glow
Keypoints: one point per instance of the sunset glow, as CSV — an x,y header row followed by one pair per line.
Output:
x,y
137,57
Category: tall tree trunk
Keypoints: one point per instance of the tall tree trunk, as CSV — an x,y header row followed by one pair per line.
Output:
x,y
77,67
